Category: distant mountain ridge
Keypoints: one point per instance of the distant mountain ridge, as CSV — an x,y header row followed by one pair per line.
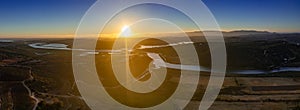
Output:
x,y
231,33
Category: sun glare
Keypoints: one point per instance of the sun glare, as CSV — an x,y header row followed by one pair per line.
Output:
x,y
126,31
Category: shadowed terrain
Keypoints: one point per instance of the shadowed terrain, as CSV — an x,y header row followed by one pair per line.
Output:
x,y
37,78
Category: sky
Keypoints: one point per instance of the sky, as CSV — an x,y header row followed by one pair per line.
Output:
x,y
138,19
61,17
272,15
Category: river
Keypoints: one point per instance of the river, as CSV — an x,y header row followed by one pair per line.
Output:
x,y
159,62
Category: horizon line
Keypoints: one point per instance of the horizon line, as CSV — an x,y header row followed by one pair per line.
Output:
x,y
4,36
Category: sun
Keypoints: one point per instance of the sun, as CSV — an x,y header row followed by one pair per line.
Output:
x,y
126,31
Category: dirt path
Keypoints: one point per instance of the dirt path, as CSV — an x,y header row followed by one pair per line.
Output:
x,y
32,94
